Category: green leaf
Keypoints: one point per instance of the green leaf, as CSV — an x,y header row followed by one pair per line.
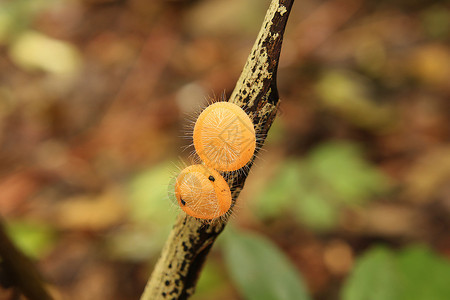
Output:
x,y
260,270
341,168
278,193
333,176
316,211
211,279
375,277
151,214
425,275
35,240
149,196
416,273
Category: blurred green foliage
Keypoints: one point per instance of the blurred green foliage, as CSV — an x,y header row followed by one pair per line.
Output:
x,y
16,16
212,279
149,195
350,95
436,21
30,49
334,175
382,72
151,214
424,274
259,269
33,239
374,277
415,273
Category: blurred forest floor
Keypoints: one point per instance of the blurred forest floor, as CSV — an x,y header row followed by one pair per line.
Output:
x,y
95,94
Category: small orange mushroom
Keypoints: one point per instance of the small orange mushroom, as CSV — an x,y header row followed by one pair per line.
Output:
x,y
202,192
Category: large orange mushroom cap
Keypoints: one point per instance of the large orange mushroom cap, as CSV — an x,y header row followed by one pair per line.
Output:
x,y
224,137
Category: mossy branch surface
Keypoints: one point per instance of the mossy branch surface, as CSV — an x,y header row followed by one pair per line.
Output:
x,y
177,270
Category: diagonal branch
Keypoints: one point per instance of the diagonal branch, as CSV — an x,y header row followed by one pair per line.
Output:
x,y
182,258
20,271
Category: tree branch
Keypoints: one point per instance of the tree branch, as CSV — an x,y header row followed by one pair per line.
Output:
x,y
20,271
182,258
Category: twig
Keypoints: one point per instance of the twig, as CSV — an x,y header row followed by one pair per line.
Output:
x,y
20,271
182,258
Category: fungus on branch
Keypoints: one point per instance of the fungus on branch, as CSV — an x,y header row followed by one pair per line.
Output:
x,y
190,240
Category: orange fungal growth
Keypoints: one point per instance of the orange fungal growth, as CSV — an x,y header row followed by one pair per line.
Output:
x,y
202,192
224,137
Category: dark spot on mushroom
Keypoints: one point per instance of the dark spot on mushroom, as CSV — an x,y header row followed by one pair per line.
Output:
x,y
211,178
182,201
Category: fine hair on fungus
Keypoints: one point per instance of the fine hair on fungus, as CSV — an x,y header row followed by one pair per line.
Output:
x,y
202,192
224,137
